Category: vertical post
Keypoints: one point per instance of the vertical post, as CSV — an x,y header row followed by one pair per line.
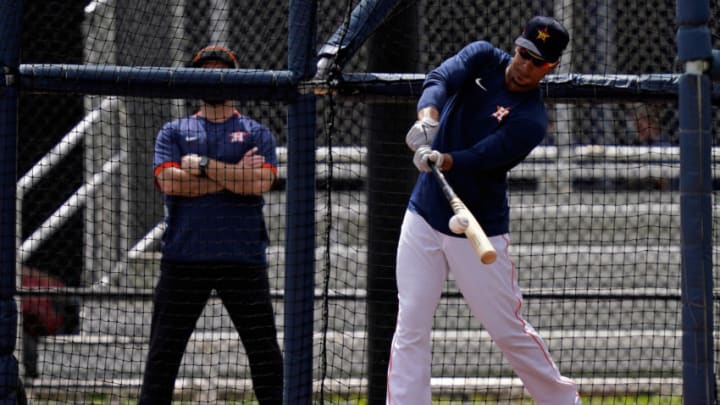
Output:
x,y
392,49
133,24
10,25
600,119
300,211
220,22
100,238
694,50
560,181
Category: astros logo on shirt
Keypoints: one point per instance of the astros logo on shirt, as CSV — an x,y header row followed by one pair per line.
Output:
x,y
238,136
501,113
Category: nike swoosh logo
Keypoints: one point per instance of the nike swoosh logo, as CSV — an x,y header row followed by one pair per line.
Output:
x,y
478,81
191,138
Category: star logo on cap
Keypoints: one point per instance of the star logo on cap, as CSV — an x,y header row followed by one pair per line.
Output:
x,y
501,113
543,34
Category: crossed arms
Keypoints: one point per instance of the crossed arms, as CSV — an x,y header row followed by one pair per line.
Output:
x,y
250,176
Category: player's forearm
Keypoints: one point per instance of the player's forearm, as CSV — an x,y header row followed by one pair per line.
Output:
x,y
240,179
177,182
447,162
429,112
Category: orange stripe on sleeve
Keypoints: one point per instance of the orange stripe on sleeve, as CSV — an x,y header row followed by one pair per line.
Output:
x,y
271,167
162,167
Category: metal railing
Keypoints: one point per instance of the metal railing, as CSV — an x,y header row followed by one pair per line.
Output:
x,y
26,248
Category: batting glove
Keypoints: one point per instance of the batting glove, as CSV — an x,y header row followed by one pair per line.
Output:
x,y
424,155
422,133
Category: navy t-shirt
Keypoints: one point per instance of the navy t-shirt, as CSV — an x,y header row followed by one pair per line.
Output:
x,y
223,226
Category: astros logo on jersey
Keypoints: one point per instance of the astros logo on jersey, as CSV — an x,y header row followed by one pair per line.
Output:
x,y
238,136
501,113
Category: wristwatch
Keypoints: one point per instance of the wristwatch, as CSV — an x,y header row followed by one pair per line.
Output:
x,y
203,164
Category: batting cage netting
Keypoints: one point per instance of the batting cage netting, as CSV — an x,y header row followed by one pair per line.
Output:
x,y
595,209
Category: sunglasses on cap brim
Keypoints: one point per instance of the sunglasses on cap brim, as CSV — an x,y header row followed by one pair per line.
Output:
x,y
538,62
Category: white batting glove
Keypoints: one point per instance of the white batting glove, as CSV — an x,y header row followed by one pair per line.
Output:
x,y
421,133
458,224
424,155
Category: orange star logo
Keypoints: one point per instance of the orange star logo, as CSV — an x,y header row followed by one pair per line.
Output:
x,y
543,34
501,113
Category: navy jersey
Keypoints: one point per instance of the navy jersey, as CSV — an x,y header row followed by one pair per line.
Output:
x,y
487,130
217,227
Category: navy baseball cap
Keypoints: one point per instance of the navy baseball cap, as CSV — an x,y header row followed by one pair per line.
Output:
x,y
544,37
217,53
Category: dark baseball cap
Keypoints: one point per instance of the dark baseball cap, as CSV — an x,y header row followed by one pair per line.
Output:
x,y
545,37
215,53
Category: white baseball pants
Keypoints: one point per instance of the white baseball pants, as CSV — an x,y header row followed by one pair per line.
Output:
x,y
425,257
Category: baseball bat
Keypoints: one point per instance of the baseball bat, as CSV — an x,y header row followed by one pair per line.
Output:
x,y
474,232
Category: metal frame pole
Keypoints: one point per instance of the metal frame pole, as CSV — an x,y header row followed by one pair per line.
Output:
x,y
10,26
300,211
694,51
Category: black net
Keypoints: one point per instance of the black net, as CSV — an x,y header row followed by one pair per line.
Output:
x,y
595,217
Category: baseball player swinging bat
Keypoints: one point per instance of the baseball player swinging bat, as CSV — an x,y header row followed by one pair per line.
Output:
x,y
474,232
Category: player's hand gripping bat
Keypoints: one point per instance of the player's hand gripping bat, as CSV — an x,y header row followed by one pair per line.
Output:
x,y
475,234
